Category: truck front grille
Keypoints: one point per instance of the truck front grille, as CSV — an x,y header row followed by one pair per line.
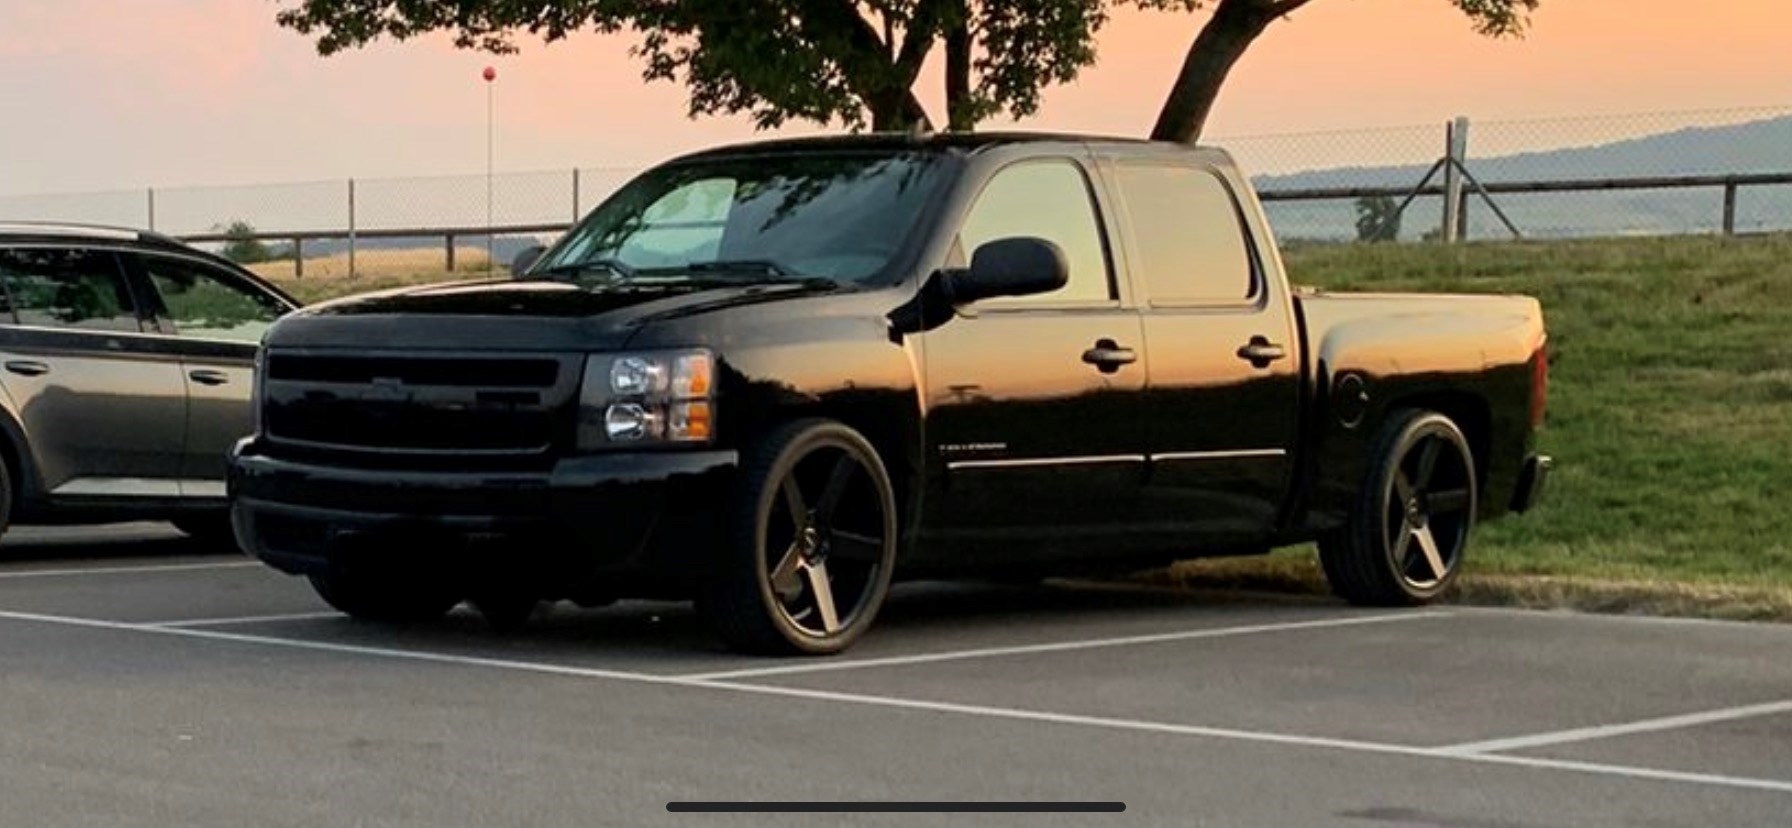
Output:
x,y
434,403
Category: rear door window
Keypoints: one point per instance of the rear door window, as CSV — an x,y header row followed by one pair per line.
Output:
x,y
206,304
67,288
1191,245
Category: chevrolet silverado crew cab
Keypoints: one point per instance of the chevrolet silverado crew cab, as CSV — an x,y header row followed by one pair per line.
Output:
x,y
772,377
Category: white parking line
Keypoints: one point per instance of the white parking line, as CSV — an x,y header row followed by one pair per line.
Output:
x,y
1778,786
981,711
246,619
1064,646
124,570
1586,734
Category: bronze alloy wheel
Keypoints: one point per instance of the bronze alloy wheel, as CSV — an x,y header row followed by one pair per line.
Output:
x,y
1410,527
814,543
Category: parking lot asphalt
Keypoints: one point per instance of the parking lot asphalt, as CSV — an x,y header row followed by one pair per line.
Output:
x,y
144,681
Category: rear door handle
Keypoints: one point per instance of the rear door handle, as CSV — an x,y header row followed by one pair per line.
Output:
x,y
1108,356
208,377
27,368
1260,352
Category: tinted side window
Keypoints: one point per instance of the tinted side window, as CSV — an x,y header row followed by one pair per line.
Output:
x,y
1191,245
66,288
202,303
1050,200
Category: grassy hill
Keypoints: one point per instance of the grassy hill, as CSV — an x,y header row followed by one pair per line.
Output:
x,y
1670,409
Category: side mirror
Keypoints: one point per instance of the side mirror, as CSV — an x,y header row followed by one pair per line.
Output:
x,y
526,259
1018,266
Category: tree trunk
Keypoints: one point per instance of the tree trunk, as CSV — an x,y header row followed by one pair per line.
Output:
x,y
896,110
1221,43
960,111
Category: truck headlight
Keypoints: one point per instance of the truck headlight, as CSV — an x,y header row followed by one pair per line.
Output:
x,y
643,399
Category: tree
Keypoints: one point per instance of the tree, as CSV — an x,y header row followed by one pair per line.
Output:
x,y
848,61
242,246
1377,219
1236,24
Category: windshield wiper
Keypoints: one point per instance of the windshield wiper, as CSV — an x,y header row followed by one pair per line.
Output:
x,y
752,267
615,266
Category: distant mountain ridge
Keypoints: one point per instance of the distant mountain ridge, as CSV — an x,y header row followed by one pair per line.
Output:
x,y
1762,146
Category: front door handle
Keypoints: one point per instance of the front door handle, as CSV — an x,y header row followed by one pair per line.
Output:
x,y
27,368
1107,356
208,377
1260,352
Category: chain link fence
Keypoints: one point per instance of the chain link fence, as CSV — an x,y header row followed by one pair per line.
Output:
x,y
1317,186
1505,156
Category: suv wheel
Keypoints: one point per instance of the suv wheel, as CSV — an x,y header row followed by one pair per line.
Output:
x,y
211,530
812,543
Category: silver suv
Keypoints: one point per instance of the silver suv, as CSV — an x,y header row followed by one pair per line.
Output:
x,y
126,361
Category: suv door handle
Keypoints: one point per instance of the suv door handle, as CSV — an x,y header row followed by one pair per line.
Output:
x,y
1108,356
27,368
1260,352
208,377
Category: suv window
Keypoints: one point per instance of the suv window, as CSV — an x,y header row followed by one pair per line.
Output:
x,y
1050,200
1191,245
67,288
203,303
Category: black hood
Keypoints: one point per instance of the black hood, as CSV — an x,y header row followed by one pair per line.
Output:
x,y
523,315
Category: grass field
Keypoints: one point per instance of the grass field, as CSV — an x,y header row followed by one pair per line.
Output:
x,y
327,276
1670,415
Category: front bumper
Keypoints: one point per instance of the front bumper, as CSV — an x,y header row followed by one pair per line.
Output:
x,y
647,512
1531,480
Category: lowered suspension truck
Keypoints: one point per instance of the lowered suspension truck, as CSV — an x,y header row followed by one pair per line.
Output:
x,y
771,378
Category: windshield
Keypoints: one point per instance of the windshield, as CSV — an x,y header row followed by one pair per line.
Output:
x,y
837,215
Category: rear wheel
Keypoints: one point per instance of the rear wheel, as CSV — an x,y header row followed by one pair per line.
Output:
x,y
813,542
6,496
383,598
1406,536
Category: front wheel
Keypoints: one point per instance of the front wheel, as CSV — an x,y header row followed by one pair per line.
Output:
x,y
383,598
812,543
1406,535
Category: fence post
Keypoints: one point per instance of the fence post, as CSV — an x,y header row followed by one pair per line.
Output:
x,y
1462,203
450,250
152,209
298,257
575,195
1730,208
351,228
1456,149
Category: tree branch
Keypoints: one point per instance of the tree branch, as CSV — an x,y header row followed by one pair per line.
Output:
x,y
1284,7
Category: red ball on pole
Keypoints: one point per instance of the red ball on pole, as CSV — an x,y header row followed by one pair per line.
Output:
x,y
490,74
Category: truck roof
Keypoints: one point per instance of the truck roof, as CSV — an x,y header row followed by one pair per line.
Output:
x,y
936,141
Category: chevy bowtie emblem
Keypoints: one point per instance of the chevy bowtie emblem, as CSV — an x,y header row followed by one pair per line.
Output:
x,y
387,388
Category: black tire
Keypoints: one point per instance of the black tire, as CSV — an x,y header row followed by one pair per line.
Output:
x,y
383,598
1412,517
843,549
211,530
506,612
6,496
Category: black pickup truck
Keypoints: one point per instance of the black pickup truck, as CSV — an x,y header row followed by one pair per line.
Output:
x,y
770,377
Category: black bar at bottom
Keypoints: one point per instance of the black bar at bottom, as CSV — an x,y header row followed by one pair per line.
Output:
x,y
896,807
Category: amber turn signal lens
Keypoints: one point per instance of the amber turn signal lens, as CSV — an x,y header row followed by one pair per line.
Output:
x,y
691,421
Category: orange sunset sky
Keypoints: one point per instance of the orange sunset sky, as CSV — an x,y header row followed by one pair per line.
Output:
x,y
132,93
